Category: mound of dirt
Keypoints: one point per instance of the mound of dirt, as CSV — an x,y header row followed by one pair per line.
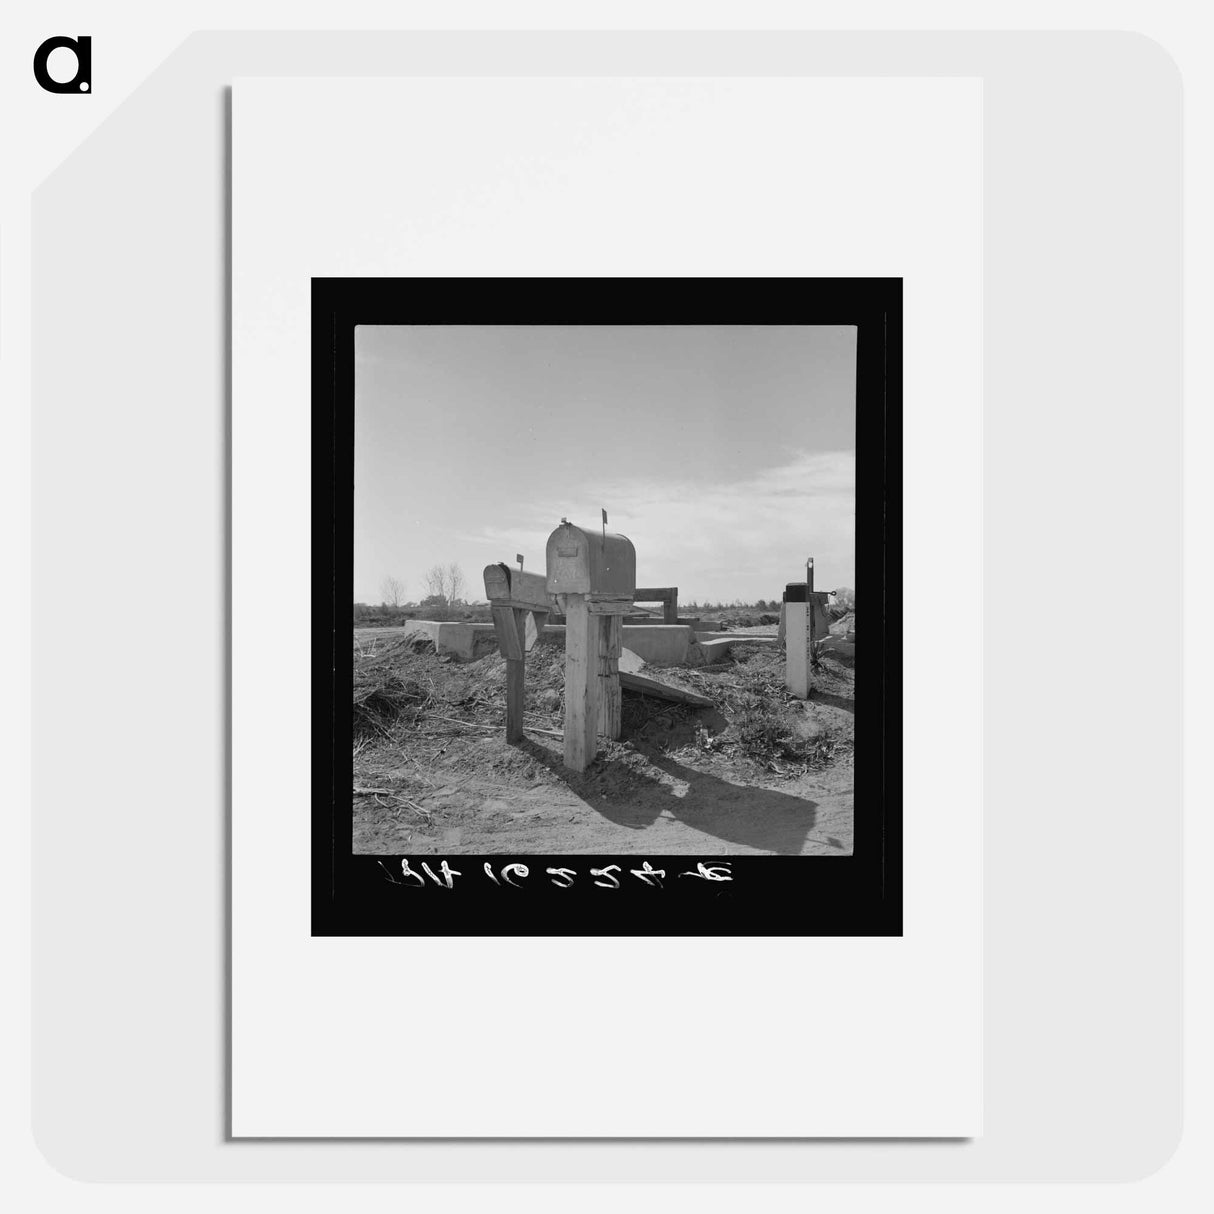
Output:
x,y
843,625
757,772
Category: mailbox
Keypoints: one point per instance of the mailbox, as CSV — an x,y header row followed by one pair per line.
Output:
x,y
590,562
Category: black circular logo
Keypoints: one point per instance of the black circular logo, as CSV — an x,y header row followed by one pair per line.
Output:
x,y
82,48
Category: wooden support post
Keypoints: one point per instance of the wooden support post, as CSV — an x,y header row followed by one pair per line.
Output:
x,y
510,628
519,603
506,630
516,679
668,596
581,670
819,617
609,704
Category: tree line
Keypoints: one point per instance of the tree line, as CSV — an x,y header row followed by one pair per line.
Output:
x,y
445,586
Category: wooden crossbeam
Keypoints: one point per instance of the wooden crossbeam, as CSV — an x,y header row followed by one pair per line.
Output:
x,y
668,596
600,604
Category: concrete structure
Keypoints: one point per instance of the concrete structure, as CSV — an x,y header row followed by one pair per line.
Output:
x,y
759,638
465,642
660,644
713,647
798,639
656,644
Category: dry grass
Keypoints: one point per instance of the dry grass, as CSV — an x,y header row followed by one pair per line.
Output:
x,y
381,695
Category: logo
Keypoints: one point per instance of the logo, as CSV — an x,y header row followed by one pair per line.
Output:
x,y
82,48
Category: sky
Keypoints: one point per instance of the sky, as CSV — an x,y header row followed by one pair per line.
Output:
x,y
726,453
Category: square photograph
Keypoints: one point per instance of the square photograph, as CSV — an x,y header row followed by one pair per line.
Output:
x,y
595,583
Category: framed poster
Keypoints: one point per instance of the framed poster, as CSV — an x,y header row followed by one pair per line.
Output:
x,y
613,310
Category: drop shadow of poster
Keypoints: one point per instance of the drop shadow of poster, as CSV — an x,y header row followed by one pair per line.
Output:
x,y
746,434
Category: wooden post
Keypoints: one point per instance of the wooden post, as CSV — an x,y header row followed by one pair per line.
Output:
x,y
581,670
519,604
516,677
609,705
668,596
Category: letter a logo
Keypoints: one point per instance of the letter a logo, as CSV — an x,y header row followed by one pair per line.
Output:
x,y
82,81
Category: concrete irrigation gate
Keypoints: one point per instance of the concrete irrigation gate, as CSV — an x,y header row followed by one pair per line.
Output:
x,y
590,579
803,621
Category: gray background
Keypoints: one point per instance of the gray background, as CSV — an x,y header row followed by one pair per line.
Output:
x,y
1082,757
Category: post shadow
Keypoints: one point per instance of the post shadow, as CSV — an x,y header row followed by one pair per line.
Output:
x,y
758,818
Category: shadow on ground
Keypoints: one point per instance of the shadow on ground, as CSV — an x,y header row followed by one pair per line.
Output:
x,y
758,818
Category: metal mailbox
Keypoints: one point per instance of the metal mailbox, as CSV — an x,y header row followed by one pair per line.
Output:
x,y
590,562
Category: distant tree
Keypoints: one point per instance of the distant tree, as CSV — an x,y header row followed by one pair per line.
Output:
x,y
444,582
434,600
436,583
455,584
393,590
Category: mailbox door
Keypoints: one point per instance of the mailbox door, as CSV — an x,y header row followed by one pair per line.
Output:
x,y
612,565
568,560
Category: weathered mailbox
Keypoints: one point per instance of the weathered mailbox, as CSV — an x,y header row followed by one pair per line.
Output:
x,y
590,562
592,575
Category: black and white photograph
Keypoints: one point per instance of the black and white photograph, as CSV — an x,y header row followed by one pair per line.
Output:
x,y
604,589
602,595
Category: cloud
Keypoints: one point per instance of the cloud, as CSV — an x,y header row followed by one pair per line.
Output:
x,y
733,540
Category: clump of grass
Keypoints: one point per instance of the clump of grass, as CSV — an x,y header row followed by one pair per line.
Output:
x,y
380,698
762,730
766,731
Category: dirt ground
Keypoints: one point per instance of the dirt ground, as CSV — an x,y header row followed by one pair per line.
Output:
x,y
759,773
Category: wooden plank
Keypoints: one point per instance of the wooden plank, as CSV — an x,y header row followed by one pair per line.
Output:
x,y
581,649
819,616
609,677
668,596
663,691
506,631
602,604
516,676
536,620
